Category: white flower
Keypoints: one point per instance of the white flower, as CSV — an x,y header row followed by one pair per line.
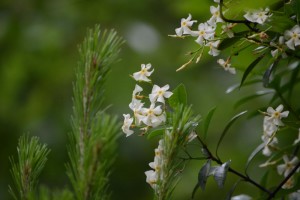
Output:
x,y
205,32
144,73
227,28
213,48
216,17
276,115
269,127
217,1
151,116
185,25
257,16
159,93
226,65
288,165
137,90
126,125
151,178
269,145
292,36
159,150
136,106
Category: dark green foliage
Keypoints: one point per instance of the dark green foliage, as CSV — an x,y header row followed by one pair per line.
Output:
x,y
93,139
32,156
179,96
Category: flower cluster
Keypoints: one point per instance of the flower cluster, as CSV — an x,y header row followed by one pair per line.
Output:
x,y
151,114
272,122
154,176
206,35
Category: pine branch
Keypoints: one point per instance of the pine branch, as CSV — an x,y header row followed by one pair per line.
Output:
x,y
32,157
93,139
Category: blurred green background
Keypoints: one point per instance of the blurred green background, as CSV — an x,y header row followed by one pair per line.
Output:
x,y
38,41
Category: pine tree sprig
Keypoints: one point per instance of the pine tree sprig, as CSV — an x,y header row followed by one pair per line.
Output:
x,y
93,139
32,156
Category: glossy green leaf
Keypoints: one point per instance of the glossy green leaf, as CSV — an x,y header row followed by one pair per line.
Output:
x,y
229,195
227,42
220,174
207,121
268,72
253,154
264,180
250,68
179,96
202,177
251,97
237,86
155,133
230,123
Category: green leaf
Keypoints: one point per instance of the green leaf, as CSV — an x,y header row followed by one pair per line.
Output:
x,y
220,174
250,68
229,195
232,120
268,72
253,154
237,86
155,133
207,121
264,180
179,96
227,42
251,97
202,177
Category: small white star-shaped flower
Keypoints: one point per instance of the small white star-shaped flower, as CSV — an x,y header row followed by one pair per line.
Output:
x,y
144,73
288,165
127,124
293,37
205,32
257,16
216,16
270,145
151,178
213,48
151,115
227,28
185,25
226,65
269,127
276,115
160,93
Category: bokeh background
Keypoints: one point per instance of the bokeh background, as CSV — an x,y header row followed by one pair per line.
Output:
x,y
38,44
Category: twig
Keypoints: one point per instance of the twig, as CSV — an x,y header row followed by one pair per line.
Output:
x,y
247,23
245,178
271,195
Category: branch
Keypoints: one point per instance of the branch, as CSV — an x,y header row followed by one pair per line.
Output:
x,y
247,23
271,195
245,178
